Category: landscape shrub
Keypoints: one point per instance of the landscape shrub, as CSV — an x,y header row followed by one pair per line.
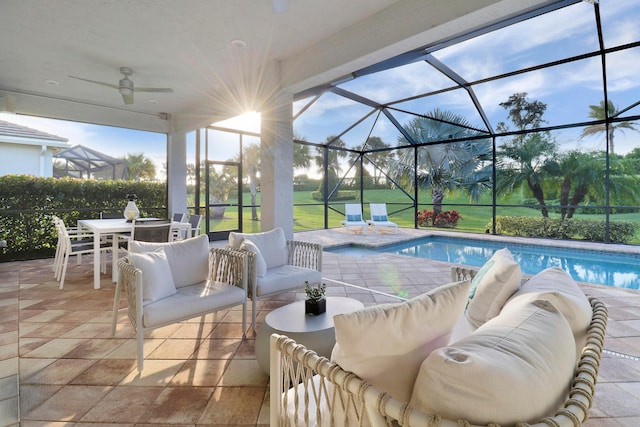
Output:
x,y
337,196
445,219
555,228
27,203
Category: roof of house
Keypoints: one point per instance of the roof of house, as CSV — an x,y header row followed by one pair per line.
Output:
x,y
17,131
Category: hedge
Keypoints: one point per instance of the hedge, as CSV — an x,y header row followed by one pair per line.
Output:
x,y
27,203
576,229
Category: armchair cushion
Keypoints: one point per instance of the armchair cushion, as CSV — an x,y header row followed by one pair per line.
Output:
x,y
261,265
376,341
272,244
490,289
284,278
189,301
516,367
157,281
188,258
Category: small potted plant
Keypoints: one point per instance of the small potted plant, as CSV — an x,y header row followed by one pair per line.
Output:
x,y
316,303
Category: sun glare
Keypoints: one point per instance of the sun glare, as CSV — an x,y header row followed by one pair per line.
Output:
x,y
248,122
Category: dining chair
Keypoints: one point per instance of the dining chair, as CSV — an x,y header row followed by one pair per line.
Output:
x,y
157,230
75,243
178,233
195,221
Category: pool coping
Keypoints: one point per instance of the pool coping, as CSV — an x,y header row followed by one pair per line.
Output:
x,y
536,241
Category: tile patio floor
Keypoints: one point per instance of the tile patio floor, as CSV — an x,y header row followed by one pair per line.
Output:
x,y
59,365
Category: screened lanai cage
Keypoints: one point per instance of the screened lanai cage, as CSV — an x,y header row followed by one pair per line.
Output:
x,y
85,163
536,117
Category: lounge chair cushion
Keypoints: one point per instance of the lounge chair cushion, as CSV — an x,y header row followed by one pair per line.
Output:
x,y
272,245
188,258
517,367
261,265
379,218
385,344
494,284
354,218
157,280
556,285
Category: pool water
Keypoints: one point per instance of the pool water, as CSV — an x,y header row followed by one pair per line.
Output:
x,y
598,267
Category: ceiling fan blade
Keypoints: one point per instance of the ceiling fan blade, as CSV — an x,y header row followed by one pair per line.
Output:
x,y
153,89
128,98
96,82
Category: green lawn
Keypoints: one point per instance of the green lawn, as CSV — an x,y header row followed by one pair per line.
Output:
x,y
309,215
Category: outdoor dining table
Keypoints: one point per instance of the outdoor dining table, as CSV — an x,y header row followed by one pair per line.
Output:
x,y
105,227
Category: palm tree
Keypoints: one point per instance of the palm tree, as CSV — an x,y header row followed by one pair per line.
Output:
x,y
301,153
251,158
444,166
333,162
379,159
585,175
140,167
528,158
599,112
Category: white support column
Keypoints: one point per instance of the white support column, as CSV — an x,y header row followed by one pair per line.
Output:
x,y
177,172
276,170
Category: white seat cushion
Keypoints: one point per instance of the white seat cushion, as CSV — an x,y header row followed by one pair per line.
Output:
x,y
272,245
494,284
188,259
191,301
385,344
517,367
284,278
157,281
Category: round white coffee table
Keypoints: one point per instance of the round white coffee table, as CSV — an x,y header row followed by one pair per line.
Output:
x,y
314,332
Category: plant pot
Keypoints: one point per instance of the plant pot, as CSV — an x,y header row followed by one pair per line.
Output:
x,y
315,307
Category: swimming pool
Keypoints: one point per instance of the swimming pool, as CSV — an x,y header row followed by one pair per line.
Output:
x,y
599,267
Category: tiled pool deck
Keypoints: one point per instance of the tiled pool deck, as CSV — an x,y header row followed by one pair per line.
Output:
x,y
58,356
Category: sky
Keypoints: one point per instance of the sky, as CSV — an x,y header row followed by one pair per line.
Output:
x,y
564,33
567,89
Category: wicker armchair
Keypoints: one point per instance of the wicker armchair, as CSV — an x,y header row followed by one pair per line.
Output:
x,y
226,287
315,400
303,263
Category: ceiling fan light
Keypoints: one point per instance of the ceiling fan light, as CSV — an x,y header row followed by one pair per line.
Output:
x,y
126,91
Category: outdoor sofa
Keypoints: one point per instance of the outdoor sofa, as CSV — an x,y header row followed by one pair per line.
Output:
x,y
488,349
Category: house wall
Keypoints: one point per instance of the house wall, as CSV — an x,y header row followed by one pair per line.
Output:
x,y
25,159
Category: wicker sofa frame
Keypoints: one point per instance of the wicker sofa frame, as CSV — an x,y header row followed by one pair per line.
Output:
x,y
361,404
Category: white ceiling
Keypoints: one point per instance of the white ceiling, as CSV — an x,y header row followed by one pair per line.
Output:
x,y
186,45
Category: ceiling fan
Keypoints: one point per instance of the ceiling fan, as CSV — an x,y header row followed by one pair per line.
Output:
x,y
125,86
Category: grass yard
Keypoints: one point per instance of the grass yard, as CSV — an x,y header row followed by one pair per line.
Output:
x,y
308,214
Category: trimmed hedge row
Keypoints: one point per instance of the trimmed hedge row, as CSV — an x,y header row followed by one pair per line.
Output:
x,y
576,229
337,196
27,203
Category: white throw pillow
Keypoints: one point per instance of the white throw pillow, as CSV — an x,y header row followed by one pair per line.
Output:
x,y
516,367
188,258
490,289
556,285
385,344
272,245
261,265
157,281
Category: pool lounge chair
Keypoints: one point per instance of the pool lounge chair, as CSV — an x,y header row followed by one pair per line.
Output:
x,y
379,217
353,213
